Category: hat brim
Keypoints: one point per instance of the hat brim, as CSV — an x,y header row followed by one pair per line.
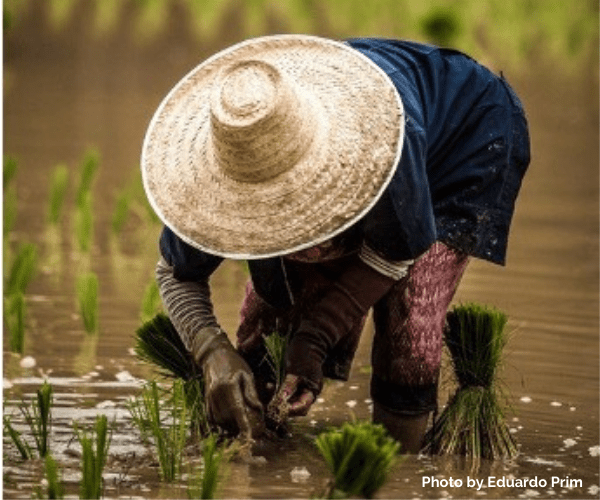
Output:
x,y
351,160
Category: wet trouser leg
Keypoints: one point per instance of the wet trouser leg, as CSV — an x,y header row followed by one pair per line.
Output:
x,y
407,346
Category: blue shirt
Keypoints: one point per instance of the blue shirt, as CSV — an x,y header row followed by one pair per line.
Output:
x,y
465,152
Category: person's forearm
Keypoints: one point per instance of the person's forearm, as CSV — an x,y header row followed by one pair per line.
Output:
x,y
188,305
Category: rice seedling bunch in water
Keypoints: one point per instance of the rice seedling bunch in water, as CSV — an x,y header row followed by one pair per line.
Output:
x,y
9,210
158,343
87,172
473,422
38,417
22,270
14,318
58,189
87,296
360,455
94,452
205,484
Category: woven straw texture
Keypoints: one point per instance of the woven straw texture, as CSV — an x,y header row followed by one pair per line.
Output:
x,y
272,146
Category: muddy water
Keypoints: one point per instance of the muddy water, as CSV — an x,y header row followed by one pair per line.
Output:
x,y
64,92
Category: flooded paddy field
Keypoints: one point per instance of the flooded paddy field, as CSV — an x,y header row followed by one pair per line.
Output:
x,y
66,92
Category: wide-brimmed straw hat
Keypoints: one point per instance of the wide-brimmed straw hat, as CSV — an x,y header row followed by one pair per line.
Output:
x,y
272,146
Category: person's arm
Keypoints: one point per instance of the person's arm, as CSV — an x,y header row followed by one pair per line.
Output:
x,y
366,280
229,383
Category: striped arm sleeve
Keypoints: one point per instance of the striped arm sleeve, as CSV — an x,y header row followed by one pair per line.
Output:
x,y
188,305
392,269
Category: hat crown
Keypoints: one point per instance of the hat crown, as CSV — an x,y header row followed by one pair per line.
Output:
x,y
261,125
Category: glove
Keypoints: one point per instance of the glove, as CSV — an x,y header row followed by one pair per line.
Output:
x,y
229,388
345,303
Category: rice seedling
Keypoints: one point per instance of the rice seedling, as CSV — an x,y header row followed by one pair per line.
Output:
x,y
151,301
58,189
87,172
38,417
121,212
15,436
22,270
205,484
168,424
54,486
14,318
276,345
9,210
87,296
360,456
158,344
93,459
84,223
473,422
9,169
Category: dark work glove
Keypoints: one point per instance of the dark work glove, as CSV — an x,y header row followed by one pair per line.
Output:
x,y
345,303
229,388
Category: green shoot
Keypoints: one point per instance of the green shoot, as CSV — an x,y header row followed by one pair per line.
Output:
x,y
205,485
84,222
121,212
151,302
168,426
276,346
22,270
9,170
87,295
22,446
54,488
360,456
14,317
93,459
39,418
88,169
9,214
58,189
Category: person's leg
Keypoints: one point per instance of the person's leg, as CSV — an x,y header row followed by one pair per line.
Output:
x,y
407,346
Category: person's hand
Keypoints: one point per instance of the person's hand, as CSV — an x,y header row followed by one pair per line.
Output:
x,y
229,389
293,399
343,305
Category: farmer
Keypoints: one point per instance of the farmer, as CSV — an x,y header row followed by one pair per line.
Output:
x,y
350,176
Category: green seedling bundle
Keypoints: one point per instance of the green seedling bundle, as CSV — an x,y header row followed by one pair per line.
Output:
x,y
58,189
360,456
473,422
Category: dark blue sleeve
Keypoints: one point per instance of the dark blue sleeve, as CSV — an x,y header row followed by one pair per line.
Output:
x,y
189,263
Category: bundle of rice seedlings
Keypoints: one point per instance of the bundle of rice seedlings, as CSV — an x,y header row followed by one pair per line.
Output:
x,y
360,456
38,417
158,343
84,222
473,422
276,346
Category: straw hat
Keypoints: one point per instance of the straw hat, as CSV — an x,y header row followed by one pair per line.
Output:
x,y
272,146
